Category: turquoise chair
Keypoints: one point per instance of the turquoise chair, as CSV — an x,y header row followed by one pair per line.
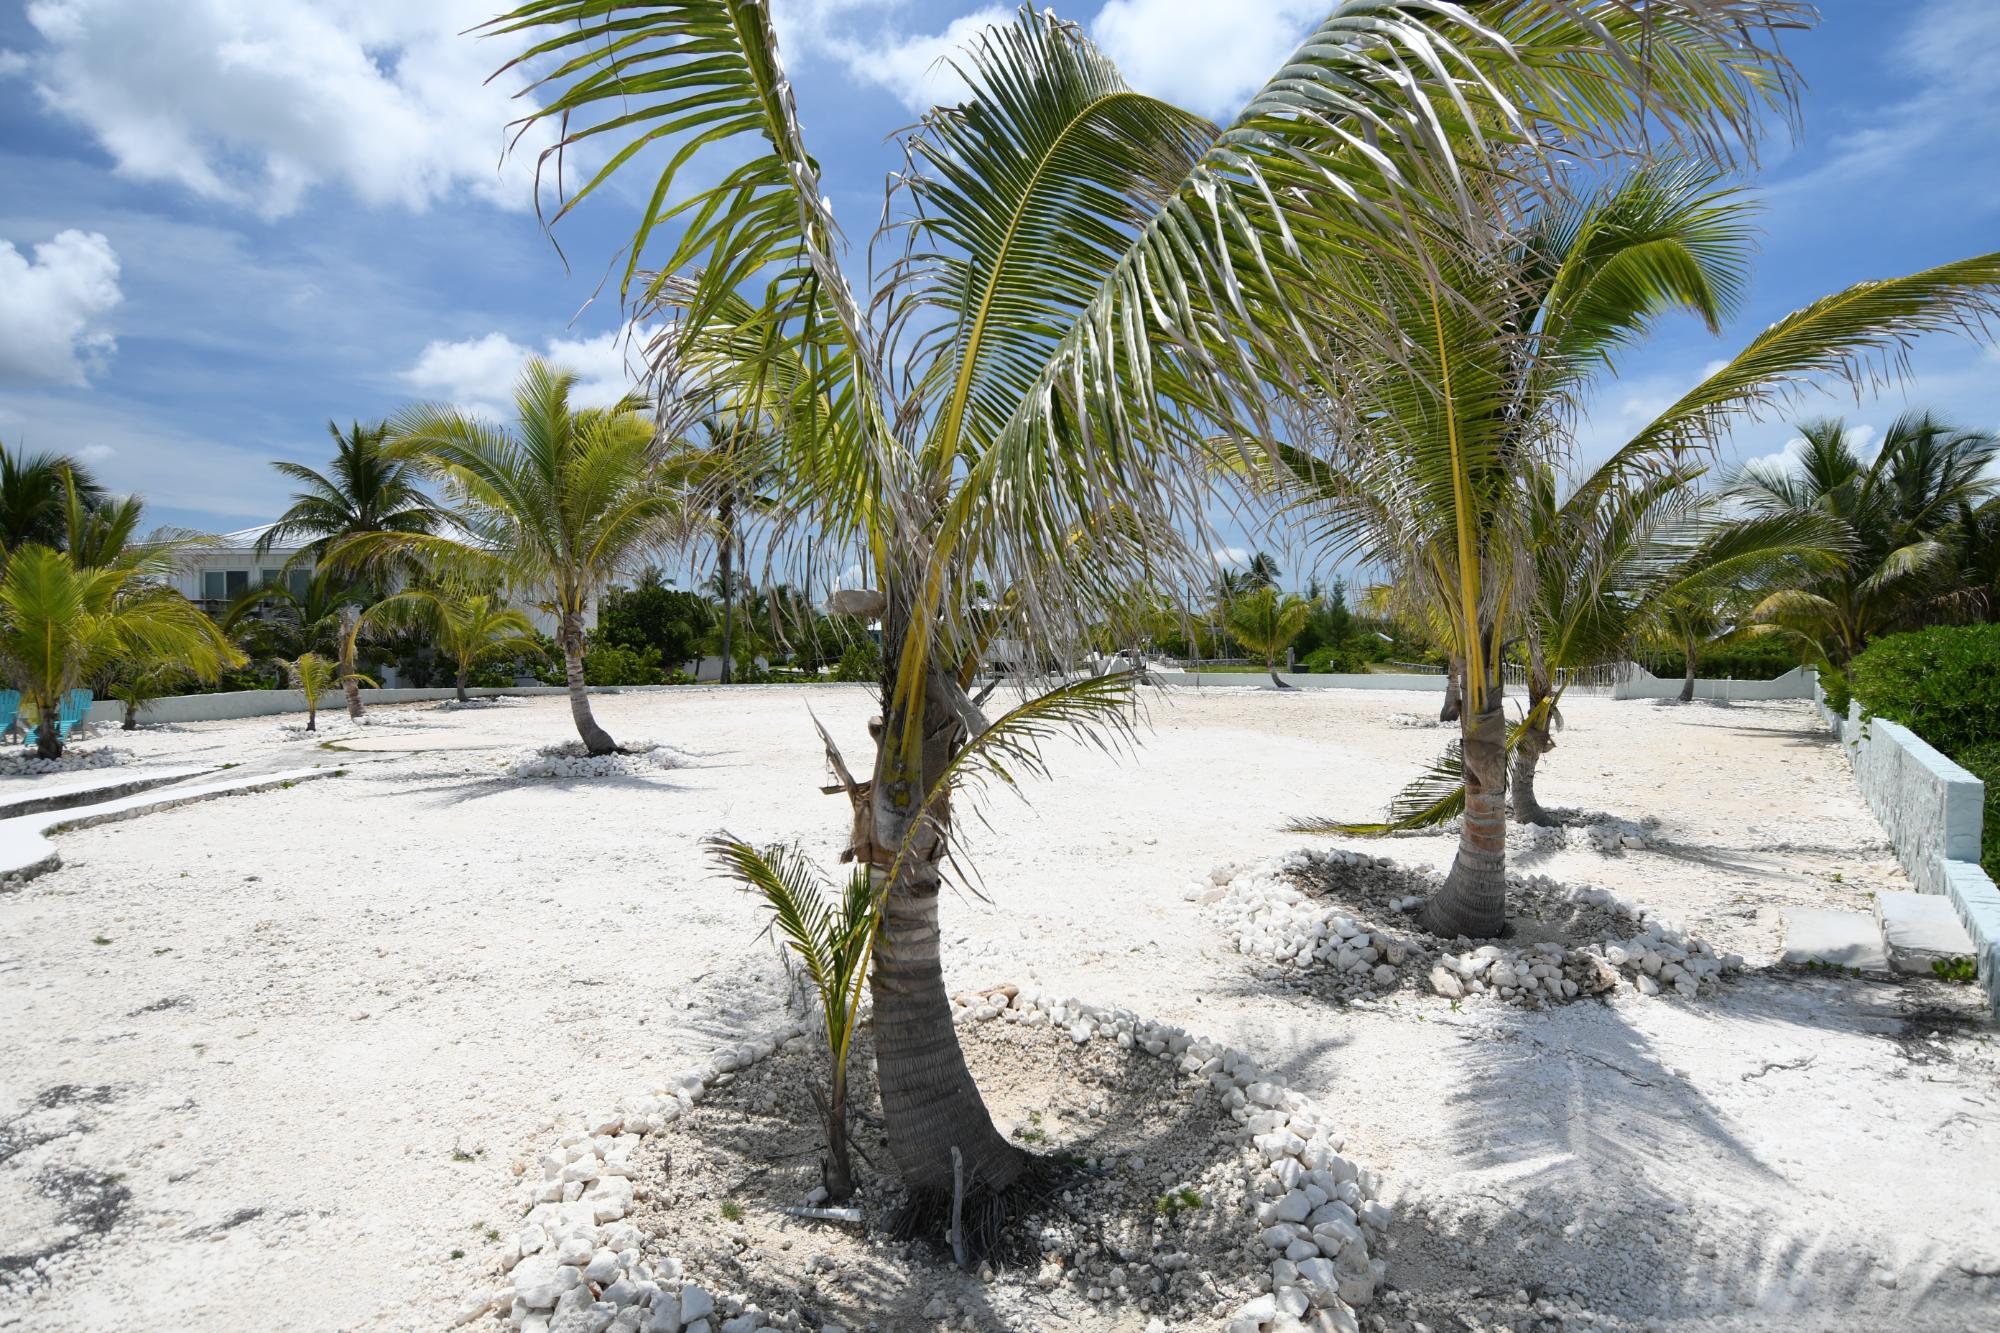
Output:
x,y
71,709
10,709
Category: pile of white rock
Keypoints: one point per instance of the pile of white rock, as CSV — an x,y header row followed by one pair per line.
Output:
x,y
1310,1212
576,1265
23,763
1416,720
1270,919
571,760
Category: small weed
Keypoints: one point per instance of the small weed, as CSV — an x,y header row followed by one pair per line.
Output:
x,y
1838,969
167,949
232,765
1960,971
1175,1202
288,784
1454,1006
731,1211
201,1048
100,939
493,1234
458,1254
459,1154
1836,877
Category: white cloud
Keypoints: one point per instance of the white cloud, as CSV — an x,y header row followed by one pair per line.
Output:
x,y
917,68
255,102
52,308
1205,55
12,63
1230,556
477,374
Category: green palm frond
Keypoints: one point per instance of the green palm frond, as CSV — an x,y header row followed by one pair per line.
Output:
x,y
1097,708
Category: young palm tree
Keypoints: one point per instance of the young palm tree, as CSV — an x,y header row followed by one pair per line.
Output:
x,y
368,491
1898,514
312,676
62,625
34,491
553,509
1095,286
470,628
1267,623
1424,458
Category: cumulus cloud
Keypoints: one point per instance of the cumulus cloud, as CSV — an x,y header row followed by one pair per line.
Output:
x,y
255,102
1201,54
916,67
52,308
477,374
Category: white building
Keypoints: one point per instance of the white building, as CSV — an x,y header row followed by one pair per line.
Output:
x,y
216,573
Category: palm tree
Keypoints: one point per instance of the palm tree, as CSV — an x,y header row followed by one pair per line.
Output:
x,y
62,624
1094,282
368,491
729,472
553,509
1267,623
1424,457
276,620
33,491
312,676
1898,515
470,628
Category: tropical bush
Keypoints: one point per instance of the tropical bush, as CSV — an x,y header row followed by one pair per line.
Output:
x,y
1751,659
1942,683
861,662
615,664
667,620
1340,658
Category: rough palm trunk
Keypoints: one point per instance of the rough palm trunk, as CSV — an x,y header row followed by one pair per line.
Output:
x,y
1271,665
312,717
1454,691
930,1105
131,717
595,738
48,737
1687,680
1473,898
725,564
1528,751
350,683
464,674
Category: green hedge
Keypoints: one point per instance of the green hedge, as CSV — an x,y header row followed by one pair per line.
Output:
x,y
1942,683
1754,659
1983,761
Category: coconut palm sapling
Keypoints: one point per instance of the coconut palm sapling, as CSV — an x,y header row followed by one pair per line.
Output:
x,y
1094,285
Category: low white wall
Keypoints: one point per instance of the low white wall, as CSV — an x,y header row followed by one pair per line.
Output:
x,y
1932,810
1639,683
1302,679
265,703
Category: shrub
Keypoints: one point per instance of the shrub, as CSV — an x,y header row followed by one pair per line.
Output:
x,y
861,662
1833,684
1983,762
1750,659
614,664
1344,658
1942,683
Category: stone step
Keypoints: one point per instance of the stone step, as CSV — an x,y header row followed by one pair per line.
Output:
x,y
1842,939
1920,928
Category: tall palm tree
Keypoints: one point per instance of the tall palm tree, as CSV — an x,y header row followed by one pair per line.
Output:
x,y
32,496
365,490
553,509
1095,287
727,461
62,624
1267,623
1898,514
1424,458
469,628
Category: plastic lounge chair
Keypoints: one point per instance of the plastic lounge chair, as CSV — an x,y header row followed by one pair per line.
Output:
x,y
70,711
10,709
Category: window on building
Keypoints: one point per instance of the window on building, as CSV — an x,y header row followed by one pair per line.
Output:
x,y
299,580
212,588
268,578
236,582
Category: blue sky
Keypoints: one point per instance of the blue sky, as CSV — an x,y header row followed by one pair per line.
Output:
x,y
224,221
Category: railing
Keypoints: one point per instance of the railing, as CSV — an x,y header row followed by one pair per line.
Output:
x,y
1416,668
1599,679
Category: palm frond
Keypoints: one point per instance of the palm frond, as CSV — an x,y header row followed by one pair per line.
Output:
x,y
1433,798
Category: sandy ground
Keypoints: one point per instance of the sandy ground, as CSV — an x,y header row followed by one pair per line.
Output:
x,y
282,1050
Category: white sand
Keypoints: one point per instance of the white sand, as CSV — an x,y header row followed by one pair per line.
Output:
x,y
363,983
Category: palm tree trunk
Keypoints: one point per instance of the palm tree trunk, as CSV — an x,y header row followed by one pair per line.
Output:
x,y
930,1105
312,718
1454,690
1687,680
1473,898
1534,743
349,682
725,564
131,717
1271,665
464,674
48,737
595,738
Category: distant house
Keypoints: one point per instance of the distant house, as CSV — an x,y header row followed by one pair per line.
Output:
x,y
216,573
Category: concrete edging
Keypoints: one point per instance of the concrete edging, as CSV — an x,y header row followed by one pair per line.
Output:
x,y
25,849
1933,811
